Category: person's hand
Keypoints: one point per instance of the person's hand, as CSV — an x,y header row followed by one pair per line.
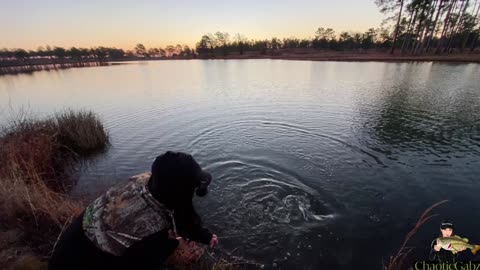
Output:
x,y
214,241
437,247
173,235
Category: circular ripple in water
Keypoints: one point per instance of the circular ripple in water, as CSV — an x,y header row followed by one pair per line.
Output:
x,y
266,201
262,206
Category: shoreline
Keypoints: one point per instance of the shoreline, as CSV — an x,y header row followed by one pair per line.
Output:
x,y
388,60
465,58
356,57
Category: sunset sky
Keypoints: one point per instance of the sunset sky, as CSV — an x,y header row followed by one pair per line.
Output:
x,y
84,23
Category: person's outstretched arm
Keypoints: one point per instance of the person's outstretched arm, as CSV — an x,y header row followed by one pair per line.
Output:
x,y
189,225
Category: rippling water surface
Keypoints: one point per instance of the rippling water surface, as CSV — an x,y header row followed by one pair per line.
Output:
x,y
315,163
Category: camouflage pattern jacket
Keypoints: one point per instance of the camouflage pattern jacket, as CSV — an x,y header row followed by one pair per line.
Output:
x,y
124,215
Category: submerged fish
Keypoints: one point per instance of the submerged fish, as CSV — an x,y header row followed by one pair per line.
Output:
x,y
456,243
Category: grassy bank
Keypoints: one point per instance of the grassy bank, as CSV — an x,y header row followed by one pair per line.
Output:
x,y
37,157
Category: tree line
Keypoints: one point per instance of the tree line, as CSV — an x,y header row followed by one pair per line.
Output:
x,y
432,26
412,26
167,52
325,38
59,55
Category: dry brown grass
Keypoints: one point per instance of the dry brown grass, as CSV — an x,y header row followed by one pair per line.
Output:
x,y
191,256
224,265
397,262
29,204
36,158
186,256
48,148
82,131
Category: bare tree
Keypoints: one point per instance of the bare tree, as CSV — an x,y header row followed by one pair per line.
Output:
x,y
223,39
439,11
141,50
445,26
387,6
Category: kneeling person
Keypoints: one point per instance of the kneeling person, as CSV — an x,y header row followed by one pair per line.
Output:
x,y
138,225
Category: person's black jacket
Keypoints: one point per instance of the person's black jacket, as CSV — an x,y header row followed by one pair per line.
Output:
x,y
75,251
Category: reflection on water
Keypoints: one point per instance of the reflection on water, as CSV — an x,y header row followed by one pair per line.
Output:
x,y
420,116
315,163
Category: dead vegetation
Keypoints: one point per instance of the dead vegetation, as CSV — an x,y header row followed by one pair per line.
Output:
x,y
37,157
398,261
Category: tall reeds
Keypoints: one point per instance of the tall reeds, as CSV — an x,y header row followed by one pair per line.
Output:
x,y
36,158
398,261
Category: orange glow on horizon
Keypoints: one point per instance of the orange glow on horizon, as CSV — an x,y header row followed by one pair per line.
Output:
x,y
159,23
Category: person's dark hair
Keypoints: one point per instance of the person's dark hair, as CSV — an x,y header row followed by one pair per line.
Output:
x,y
175,176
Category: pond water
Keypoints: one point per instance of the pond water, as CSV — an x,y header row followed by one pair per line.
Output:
x,y
315,164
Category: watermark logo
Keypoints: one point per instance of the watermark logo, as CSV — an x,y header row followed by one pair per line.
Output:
x,y
460,265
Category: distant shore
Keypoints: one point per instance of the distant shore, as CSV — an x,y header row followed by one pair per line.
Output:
x,y
360,57
15,67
